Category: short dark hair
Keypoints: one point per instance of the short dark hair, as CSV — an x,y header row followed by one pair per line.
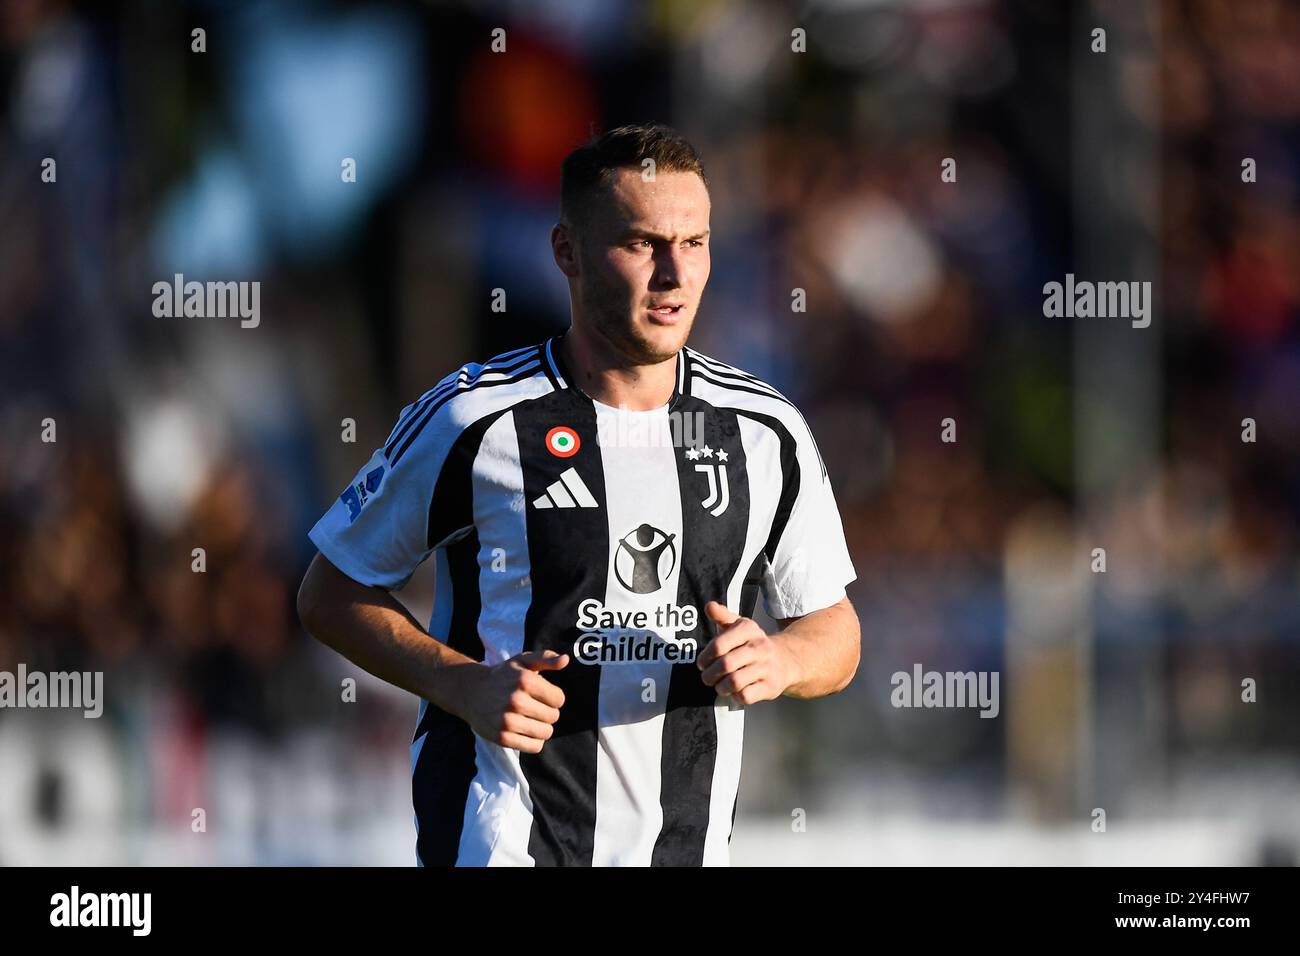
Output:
x,y
592,164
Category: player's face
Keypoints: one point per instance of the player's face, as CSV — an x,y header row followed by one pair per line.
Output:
x,y
643,256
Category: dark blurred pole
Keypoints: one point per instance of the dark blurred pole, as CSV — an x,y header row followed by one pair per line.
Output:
x,y
1115,110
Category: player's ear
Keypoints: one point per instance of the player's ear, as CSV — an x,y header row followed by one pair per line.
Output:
x,y
564,247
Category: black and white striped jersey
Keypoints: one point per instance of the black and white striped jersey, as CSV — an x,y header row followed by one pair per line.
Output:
x,y
559,522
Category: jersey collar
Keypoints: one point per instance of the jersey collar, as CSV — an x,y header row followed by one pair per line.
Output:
x,y
561,378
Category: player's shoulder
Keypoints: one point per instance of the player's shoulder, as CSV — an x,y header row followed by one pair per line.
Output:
x,y
719,382
505,372
725,385
468,394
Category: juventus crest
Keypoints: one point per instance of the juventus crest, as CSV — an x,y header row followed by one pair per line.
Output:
x,y
719,493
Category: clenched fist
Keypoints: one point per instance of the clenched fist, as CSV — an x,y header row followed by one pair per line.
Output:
x,y
512,704
744,661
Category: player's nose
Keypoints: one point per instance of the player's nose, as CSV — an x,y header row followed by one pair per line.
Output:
x,y
668,269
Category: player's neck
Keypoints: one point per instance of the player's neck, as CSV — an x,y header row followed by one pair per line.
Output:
x,y
607,377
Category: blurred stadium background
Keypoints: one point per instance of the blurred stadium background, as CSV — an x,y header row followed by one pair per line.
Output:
x,y
1119,690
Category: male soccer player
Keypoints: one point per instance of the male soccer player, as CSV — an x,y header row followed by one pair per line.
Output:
x,y
605,508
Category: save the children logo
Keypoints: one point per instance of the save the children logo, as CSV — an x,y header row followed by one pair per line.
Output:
x,y
645,557
619,635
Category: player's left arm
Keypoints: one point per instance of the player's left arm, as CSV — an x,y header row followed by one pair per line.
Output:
x,y
811,656
804,579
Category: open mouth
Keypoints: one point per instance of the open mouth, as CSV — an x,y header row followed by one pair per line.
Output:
x,y
667,311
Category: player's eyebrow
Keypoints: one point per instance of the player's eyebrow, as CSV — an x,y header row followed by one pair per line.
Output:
x,y
636,232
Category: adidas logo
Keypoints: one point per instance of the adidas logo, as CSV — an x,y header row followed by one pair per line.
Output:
x,y
567,492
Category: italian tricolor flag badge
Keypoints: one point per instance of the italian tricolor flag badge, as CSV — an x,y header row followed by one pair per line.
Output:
x,y
562,441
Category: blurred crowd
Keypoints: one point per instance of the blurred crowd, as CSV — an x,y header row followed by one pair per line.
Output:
x,y
924,302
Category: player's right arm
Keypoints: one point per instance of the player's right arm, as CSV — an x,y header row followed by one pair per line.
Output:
x,y
412,497
510,703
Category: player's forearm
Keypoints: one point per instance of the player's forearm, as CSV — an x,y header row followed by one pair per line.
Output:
x,y
371,628
826,647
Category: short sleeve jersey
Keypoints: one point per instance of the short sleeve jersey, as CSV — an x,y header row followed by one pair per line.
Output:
x,y
559,522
